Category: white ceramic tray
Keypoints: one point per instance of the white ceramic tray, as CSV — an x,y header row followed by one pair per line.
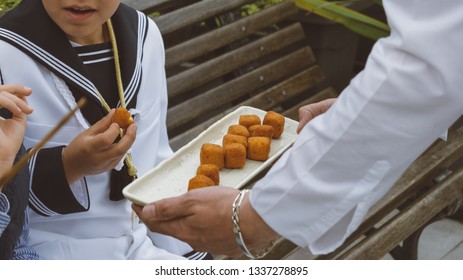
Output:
x,y
170,178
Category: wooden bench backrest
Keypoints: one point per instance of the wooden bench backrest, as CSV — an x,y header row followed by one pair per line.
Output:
x,y
218,59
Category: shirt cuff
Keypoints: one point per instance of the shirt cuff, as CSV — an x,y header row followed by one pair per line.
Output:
x,y
4,203
444,135
79,189
4,208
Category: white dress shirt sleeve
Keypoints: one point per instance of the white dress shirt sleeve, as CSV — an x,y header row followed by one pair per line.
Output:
x,y
347,159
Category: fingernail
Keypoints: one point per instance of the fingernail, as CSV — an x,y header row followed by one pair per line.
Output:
x,y
27,88
132,128
149,210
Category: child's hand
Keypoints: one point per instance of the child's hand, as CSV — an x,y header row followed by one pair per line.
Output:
x,y
94,151
12,98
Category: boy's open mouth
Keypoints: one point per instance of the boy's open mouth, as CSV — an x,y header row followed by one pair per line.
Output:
x,y
80,11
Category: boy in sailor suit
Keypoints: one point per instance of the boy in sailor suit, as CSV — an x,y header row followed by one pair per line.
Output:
x,y
65,50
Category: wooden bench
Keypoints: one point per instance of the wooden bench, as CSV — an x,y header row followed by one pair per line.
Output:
x,y
218,60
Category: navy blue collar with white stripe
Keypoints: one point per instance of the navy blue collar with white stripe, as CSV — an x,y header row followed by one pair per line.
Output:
x,y
45,42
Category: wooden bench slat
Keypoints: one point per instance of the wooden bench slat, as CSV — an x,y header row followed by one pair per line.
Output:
x,y
235,59
160,6
273,97
143,5
293,112
201,10
290,86
239,87
225,35
409,220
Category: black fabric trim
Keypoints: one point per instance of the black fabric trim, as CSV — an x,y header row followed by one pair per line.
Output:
x,y
102,72
127,52
128,40
131,100
49,185
119,180
94,52
1,77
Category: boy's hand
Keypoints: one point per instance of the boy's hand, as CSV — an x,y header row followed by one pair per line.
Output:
x,y
94,150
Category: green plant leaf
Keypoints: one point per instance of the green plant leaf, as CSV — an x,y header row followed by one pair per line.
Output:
x,y
353,20
8,4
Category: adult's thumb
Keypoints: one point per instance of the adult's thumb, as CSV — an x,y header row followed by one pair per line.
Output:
x,y
149,211
165,209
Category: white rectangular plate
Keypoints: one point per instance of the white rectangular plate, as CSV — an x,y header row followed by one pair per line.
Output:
x,y
170,178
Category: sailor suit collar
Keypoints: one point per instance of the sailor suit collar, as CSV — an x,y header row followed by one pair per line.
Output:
x,y
46,43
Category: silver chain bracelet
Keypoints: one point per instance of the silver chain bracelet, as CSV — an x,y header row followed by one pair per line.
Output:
x,y
237,231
